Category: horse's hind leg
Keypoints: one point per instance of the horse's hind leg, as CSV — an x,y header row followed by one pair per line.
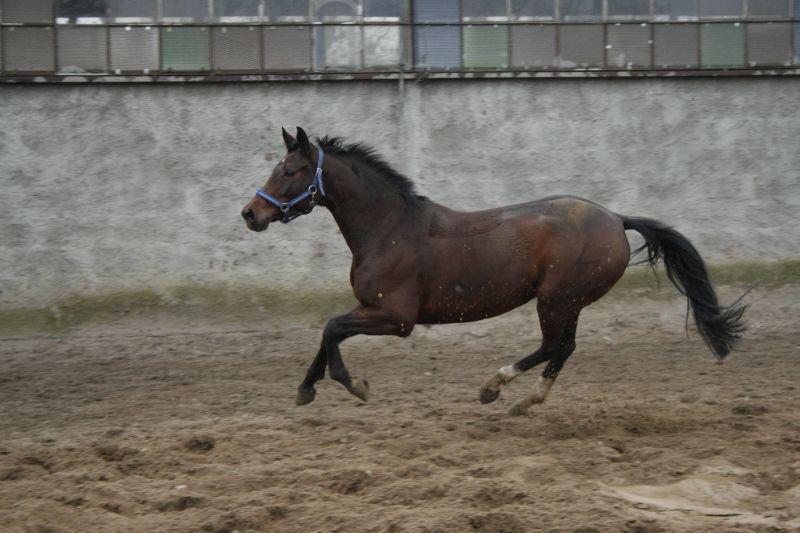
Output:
x,y
563,349
491,389
555,325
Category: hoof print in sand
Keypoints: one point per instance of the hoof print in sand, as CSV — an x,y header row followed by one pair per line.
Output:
x,y
180,504
200,443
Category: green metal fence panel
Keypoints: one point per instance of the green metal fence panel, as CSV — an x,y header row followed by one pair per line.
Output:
x,y
82,49
722,45
185,49
29,50
533,46
675,46
134,49
31,11
486,47
769,43
628,46
581,46
287,48
237,48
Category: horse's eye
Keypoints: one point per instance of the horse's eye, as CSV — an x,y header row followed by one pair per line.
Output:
x,y
290,172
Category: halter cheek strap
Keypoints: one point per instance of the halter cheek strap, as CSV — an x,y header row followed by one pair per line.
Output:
x,y
315,187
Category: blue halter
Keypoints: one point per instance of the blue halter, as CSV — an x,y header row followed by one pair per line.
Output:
x,y
316,186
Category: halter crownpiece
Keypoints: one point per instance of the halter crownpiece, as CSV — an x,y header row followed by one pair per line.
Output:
x,y
316,186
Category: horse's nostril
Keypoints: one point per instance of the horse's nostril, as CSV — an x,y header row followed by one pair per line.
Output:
x,y
248,214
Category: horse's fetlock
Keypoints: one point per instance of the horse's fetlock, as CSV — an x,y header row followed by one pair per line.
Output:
x,y
341,377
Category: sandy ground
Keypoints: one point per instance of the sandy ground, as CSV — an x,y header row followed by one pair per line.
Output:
x,y
181,426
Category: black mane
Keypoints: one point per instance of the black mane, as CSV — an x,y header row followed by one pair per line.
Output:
x,y
367,156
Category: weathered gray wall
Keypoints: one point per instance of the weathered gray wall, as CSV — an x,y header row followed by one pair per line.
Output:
x,y
132,186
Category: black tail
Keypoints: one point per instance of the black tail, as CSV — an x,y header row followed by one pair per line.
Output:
x,y
721,327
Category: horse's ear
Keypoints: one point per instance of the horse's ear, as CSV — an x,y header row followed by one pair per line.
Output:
x,y
303,142
291,142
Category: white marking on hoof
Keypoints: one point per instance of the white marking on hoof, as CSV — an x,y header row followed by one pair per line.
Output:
x,y
491,390
537,396
542,389
508,373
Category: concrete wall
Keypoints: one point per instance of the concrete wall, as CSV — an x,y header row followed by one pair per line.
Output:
x,y
133,186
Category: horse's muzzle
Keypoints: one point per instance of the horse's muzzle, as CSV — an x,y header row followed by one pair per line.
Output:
x,y
258,227
250,219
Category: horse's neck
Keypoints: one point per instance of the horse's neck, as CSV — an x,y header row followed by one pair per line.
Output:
x,y
365,214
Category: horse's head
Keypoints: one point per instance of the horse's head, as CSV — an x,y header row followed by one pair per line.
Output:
x,y
291,190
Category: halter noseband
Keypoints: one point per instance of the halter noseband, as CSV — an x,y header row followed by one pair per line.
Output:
x,y
316,186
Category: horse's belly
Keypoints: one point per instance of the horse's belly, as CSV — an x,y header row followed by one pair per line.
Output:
x,y
475,286
452,309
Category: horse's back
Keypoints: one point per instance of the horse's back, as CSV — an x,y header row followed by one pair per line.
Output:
x,y
570,212
483,263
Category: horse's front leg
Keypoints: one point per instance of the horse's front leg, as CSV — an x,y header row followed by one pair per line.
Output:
x,y
360,321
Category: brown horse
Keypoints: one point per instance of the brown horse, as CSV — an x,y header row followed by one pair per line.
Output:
x,y
418,262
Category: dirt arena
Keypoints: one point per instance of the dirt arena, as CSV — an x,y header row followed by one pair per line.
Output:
x,y
182,425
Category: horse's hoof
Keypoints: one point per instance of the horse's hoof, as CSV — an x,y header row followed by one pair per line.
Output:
x,y
359,388
488,395
305,395
518,410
